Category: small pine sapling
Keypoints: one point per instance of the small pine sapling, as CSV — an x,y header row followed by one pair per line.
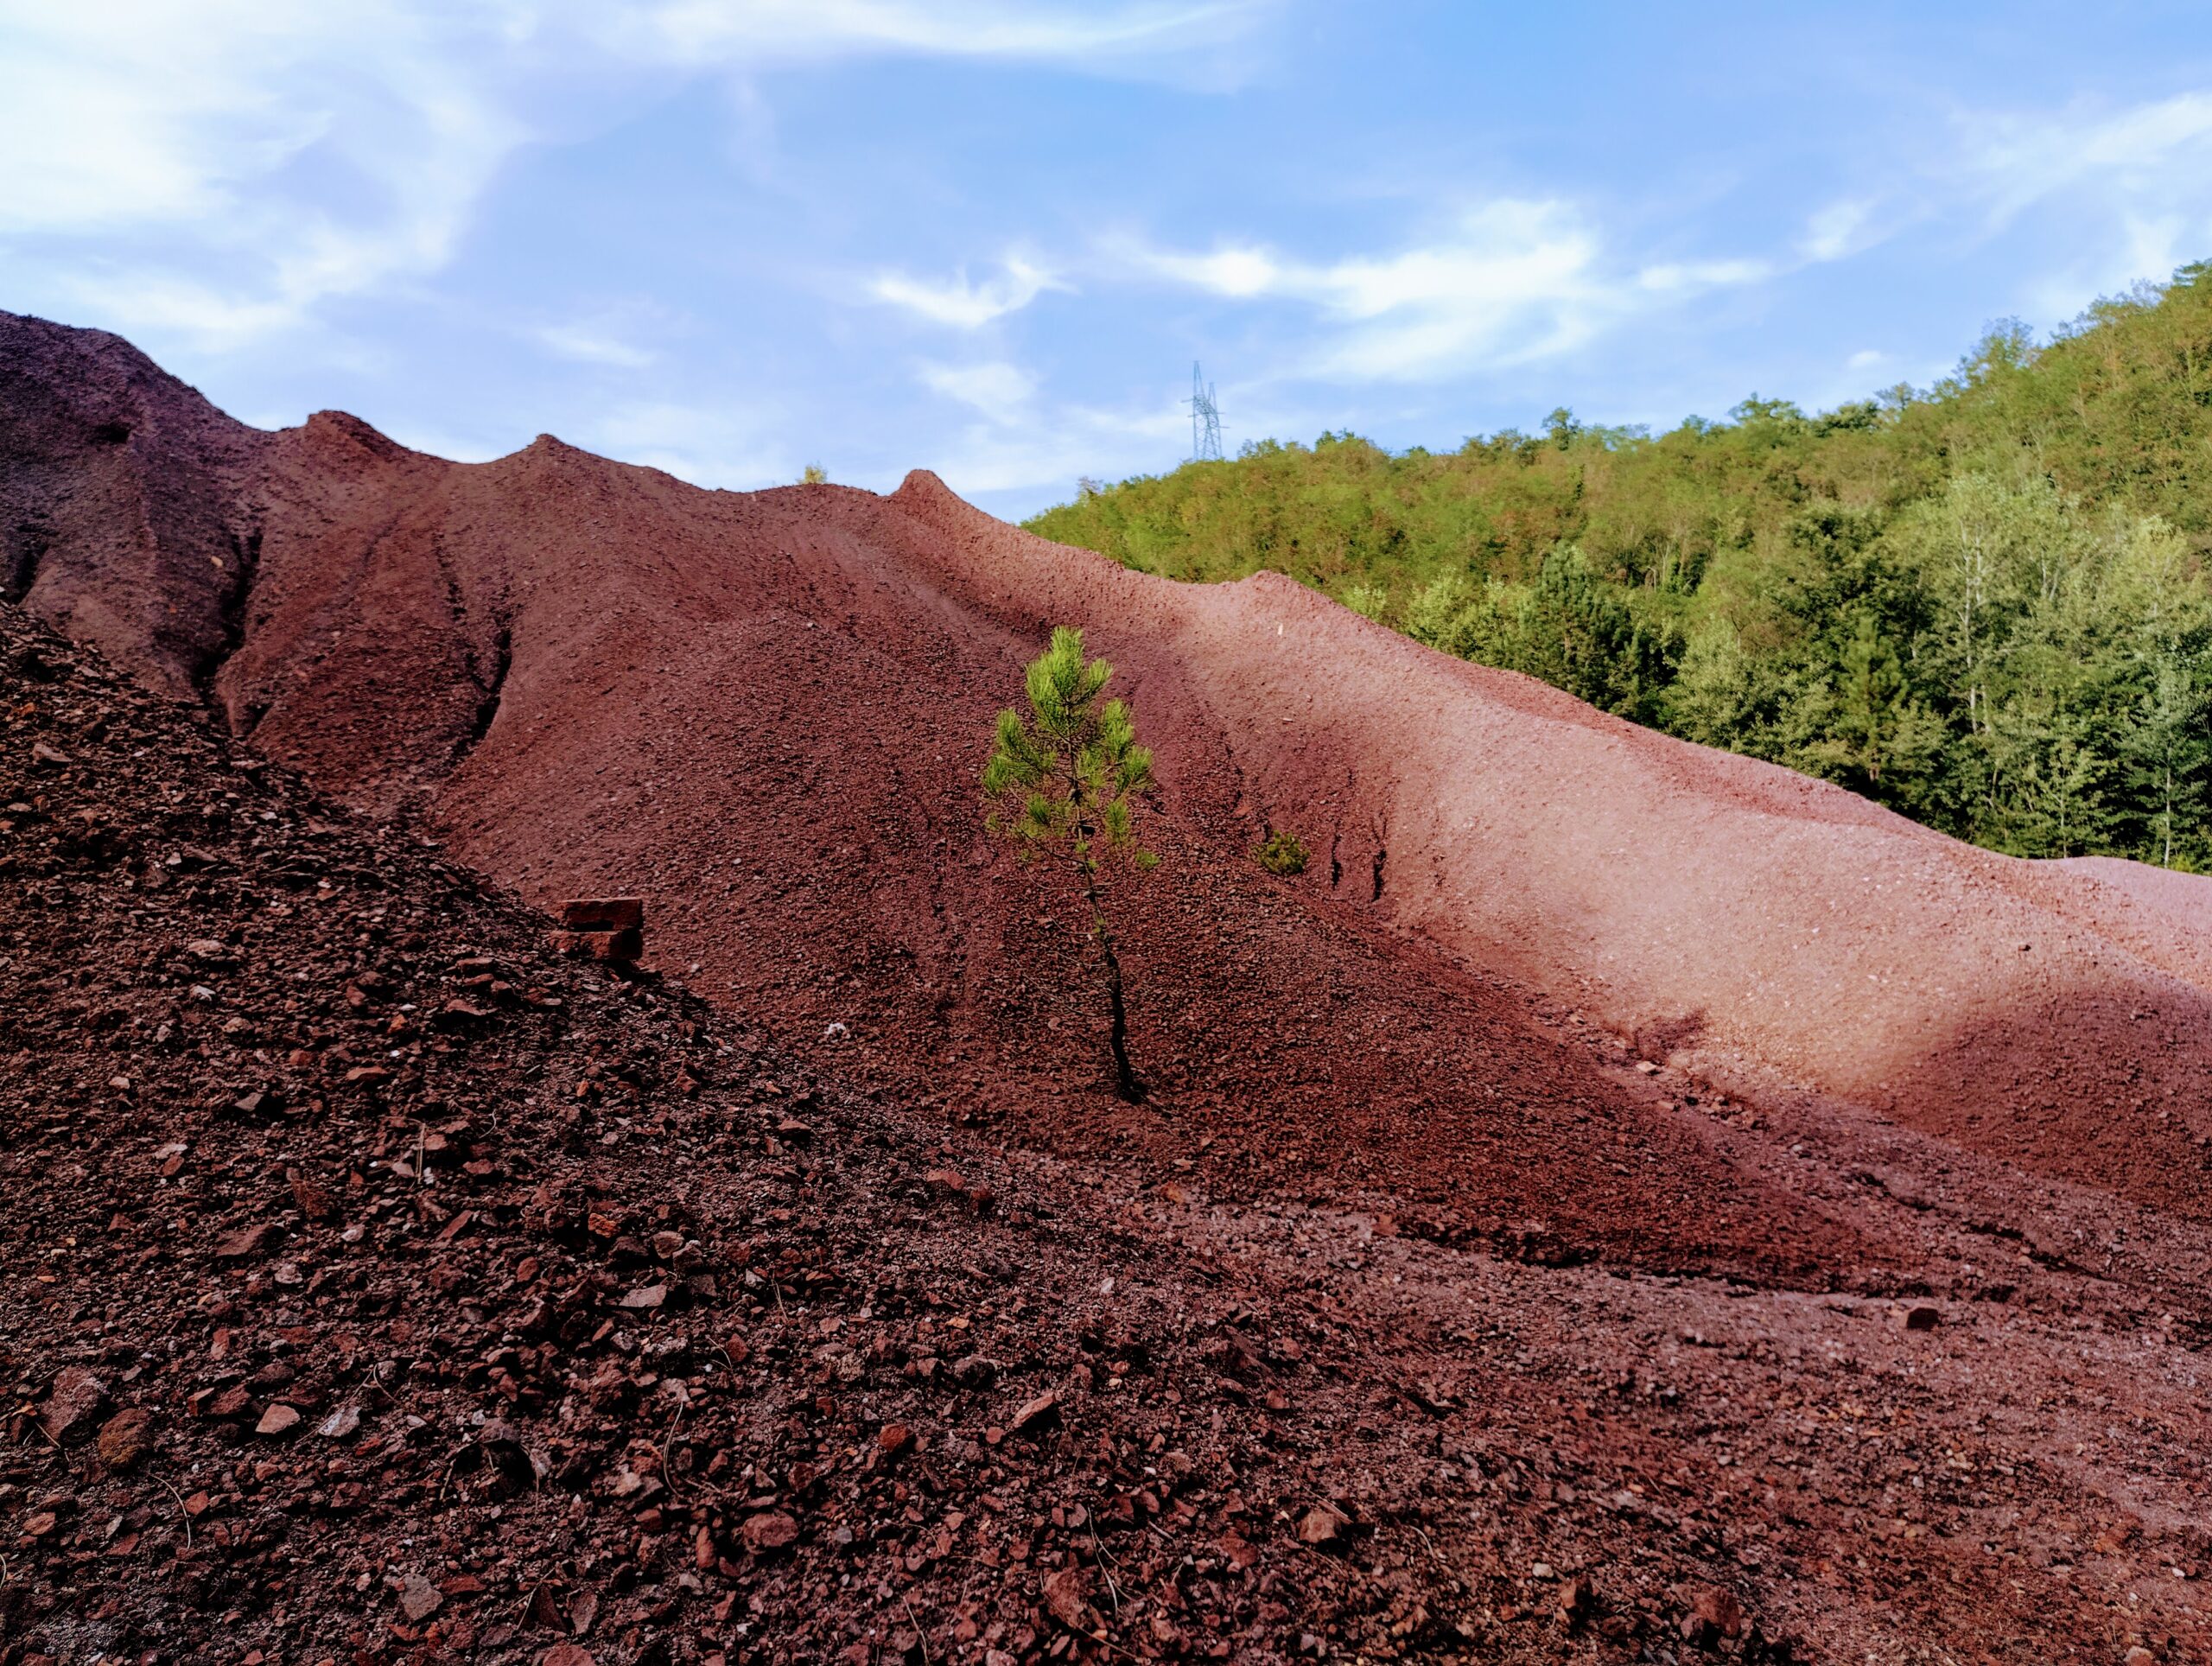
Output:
x,y
1062,780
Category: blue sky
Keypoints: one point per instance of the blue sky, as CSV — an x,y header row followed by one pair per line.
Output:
x,y
989,238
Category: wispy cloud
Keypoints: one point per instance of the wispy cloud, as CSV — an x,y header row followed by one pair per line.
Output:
x,y
999,389
2160,150
594,342
1505,282
963,304
214,143
1839,229
1058,447
128,116
259,157
2131,184
712,445
586,346
758,32
1685,276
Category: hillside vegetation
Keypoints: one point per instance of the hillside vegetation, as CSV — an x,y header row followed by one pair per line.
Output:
x,y
1984,604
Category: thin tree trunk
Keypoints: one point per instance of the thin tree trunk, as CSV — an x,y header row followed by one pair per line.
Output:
x,y
1125,1077
1126,1084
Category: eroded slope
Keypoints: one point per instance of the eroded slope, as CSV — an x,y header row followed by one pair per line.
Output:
x,y
764,711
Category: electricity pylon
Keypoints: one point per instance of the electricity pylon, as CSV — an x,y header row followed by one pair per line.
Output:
x,y
1205,419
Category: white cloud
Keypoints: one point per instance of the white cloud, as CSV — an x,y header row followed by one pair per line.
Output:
x,y
750,33
439,442
1237,273
712,445
999,391
1837,230
1678,277
963,304
129,114
167,305
2161,151
1866,358
1055,449
213,141
1508,281
2129,190
593,342
2135,246
254,159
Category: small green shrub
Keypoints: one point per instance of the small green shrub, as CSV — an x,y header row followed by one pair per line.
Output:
x,y
1282,854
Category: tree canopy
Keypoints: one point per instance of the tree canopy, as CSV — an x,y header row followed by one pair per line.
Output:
x,y
1984,603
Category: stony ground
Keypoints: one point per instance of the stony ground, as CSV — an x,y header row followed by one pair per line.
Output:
x,y
378,1286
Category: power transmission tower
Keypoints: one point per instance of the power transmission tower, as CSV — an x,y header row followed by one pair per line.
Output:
x,y
1205,419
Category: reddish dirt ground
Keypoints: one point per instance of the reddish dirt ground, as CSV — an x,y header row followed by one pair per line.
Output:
x,y
1611,1097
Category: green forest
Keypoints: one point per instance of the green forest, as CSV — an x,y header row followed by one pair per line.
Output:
x,y
1984,604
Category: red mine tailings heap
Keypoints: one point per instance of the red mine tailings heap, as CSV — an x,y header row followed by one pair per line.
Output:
x,y
763,713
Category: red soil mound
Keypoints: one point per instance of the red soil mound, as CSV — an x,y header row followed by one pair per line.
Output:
x,y
375,1286
765,713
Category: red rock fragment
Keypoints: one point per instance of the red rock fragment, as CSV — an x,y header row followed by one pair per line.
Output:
x,y
1573,1602
311,1199
71,1404
126,1438
1714,1614
419,1598
604,914
221,1404
583,1611
1067,1598
246,1242
544,1608
1043,1408
1322,1524
770,1530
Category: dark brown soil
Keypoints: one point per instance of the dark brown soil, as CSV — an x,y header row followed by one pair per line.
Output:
x,y
1579,1350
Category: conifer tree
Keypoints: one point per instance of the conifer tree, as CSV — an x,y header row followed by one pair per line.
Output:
x,y
1063,779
